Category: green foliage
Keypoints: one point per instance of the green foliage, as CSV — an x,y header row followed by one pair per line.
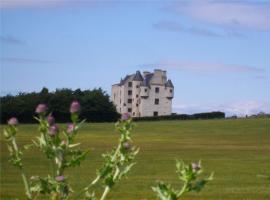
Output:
x,y
189,176
60,148
209,115
237,150
96,103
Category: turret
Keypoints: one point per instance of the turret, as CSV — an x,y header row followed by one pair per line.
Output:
x,y
144,90
136,83
169,89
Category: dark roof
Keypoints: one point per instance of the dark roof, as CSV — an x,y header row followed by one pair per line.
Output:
x,y
169,83
146,81
138,76
123,81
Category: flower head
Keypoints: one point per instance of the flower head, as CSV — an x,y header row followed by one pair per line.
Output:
x,y
53,130
126,146
50,120
70,128
196,166
13,121
125,116
41,108
75,107
63,143
60,178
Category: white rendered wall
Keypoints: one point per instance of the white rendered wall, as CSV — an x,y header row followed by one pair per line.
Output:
x,y
148,107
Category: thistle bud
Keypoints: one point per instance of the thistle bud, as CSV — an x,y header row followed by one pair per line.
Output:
x,y
13,121
196,167
75,107
41,108
60,178
34,178
63,143
53,130
50,120
70,128
125,116
126,146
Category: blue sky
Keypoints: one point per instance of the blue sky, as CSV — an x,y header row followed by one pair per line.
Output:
x,y
217,53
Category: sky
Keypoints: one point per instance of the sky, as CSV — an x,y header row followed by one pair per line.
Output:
x,y
217,53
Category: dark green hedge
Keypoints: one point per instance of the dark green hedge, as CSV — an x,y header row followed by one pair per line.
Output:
x,y
209,115
96,105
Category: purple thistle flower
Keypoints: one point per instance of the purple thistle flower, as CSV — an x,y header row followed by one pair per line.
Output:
x,y
41,108
13,121
126,145
196,167
53,130
70,128
60,178
125,116
75,107
50,120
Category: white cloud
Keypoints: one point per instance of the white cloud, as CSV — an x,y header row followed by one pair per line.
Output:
x,y
43,3
202,66
230,14
198,31
239,108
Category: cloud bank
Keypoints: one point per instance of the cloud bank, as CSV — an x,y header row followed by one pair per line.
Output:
x,y
11,40
10,4
177,27
17,60
229,14
239,108
202,66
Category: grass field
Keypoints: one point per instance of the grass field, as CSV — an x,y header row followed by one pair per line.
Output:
x,y
237,150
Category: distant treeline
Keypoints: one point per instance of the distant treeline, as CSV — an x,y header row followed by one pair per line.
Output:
x,y
209,115
96,105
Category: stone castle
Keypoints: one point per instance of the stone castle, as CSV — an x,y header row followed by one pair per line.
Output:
x,y
144,95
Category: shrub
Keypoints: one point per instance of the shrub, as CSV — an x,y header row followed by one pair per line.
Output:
x,y
210,115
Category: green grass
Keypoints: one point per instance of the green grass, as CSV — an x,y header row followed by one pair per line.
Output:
x,y
237,150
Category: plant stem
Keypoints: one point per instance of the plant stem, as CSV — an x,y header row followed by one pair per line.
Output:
x,y
106,191
87,187
26,185
107,188
183,190
25,182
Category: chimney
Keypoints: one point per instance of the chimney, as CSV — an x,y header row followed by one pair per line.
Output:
x,y
145,73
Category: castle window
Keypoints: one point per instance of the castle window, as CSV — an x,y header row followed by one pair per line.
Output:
x,y
156,101
155,113
129,100
133,113
157,89
129,84
129,110
130,92
124,104
145,90
170,90
137,96
137,86
137,105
